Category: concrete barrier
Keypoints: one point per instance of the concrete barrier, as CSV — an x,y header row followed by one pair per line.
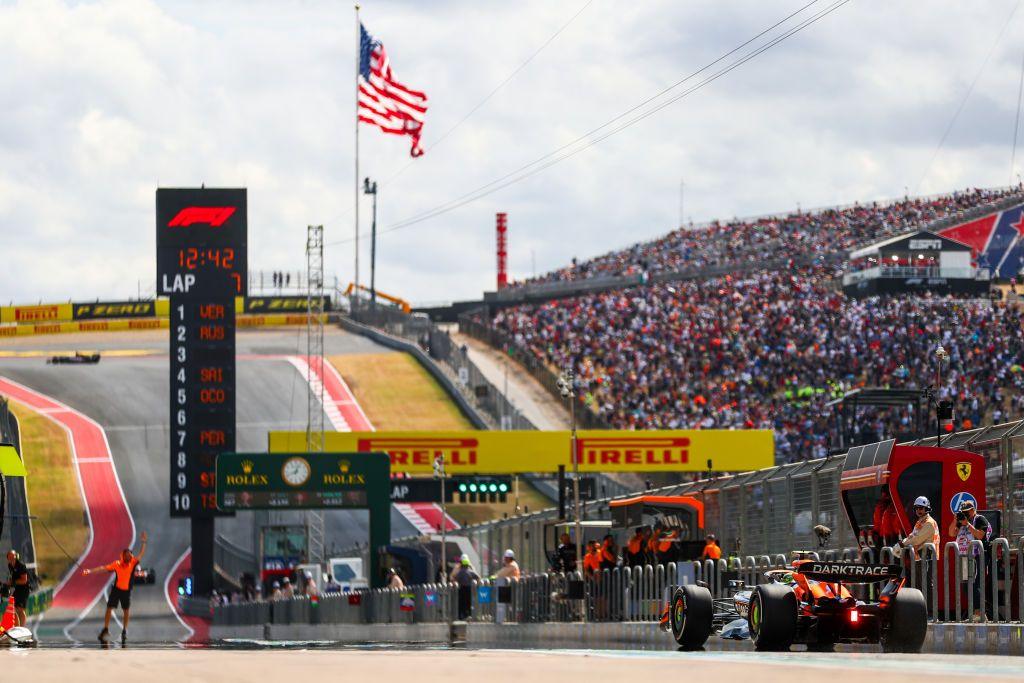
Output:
x,y
339,633
992,639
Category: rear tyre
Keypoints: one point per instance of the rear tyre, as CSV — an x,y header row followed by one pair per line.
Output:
x,y
772,617
908,622
691,616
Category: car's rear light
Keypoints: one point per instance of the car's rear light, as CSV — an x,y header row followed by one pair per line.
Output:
x,y
854,616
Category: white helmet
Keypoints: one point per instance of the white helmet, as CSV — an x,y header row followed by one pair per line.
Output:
x,y
922,502
509,555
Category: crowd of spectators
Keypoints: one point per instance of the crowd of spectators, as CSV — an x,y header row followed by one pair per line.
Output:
x,y
769,350
778,237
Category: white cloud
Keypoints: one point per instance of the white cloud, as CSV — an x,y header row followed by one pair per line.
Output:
x,y
104,100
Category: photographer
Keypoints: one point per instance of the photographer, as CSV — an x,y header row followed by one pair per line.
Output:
x,y
969,526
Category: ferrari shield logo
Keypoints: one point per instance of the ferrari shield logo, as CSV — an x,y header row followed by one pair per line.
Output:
x,y
963,470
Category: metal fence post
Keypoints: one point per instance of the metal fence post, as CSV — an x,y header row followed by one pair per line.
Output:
x,y
1000,547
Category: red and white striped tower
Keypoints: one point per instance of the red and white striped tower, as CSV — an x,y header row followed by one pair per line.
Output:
x,y
502,228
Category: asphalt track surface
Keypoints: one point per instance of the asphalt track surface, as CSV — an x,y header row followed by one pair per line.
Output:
x,y
310,662
125,399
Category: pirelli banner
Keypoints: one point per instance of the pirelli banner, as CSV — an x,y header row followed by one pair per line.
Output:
x,y
485,452
31,315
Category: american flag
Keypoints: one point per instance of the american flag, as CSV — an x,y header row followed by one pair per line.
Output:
x,y
383,101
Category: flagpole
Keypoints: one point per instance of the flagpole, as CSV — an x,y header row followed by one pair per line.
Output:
x,y
359,54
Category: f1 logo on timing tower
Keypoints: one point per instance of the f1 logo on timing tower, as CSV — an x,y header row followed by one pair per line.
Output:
x,y
215,216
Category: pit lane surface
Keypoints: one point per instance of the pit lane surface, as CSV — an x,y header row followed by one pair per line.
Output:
x,y
126,395
495,666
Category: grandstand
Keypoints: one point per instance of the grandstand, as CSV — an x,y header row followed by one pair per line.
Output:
x,y
756,346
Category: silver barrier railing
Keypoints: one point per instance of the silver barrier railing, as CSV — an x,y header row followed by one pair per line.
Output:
x,y
950,582
1000,548
976,579
640,594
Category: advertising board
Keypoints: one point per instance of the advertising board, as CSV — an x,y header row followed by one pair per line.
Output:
x,y
511,452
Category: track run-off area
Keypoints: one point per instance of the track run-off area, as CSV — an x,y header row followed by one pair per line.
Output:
x,y
115,416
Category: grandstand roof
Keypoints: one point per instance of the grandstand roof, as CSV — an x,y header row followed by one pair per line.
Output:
x,y
896,244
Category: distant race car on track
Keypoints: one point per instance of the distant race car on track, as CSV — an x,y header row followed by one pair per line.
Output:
x,y
78,359
806,604
144,575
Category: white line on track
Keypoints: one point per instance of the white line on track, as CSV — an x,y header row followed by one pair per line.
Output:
x,y
61,408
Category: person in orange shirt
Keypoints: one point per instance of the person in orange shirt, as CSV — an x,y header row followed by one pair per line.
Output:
x,y
123,570
635,547
666,545
609,555
711,549
652,543
592,559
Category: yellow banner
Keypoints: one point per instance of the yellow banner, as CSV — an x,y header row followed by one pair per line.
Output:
x,y
484,452
84,326
43,313
119,325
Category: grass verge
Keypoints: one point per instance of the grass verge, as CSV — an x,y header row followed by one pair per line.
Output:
x,y
397,393
53,494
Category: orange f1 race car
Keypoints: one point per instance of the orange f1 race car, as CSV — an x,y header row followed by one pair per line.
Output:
x,y
808,604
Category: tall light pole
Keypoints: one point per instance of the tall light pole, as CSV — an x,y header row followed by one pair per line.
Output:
x,y
371,188
941,356
439,473
567,387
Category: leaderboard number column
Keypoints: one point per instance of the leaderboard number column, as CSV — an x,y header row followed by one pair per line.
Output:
x,y
202,400
181,499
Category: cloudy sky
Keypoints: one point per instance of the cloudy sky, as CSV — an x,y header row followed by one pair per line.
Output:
x,y
105,101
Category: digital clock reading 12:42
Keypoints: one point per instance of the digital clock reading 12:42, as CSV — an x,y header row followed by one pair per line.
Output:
x,y
204,257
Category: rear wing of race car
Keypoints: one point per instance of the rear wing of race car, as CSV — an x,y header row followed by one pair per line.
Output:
x,y
849,572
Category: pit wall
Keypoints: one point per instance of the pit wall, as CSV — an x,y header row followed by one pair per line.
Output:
x,y
993,639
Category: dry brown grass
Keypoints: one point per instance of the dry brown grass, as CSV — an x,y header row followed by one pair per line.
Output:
x,y
397,393
53,493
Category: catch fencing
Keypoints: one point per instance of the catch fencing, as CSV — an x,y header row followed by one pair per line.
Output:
x,y
470,325
641,593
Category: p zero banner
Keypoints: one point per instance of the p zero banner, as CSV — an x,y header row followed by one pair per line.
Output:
x,y
485,452
279,304
272,307
103,310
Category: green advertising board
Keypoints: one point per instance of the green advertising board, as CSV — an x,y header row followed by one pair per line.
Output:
x,y
298,481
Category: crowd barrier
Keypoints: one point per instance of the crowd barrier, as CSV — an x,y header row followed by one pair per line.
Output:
x,y
640,594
